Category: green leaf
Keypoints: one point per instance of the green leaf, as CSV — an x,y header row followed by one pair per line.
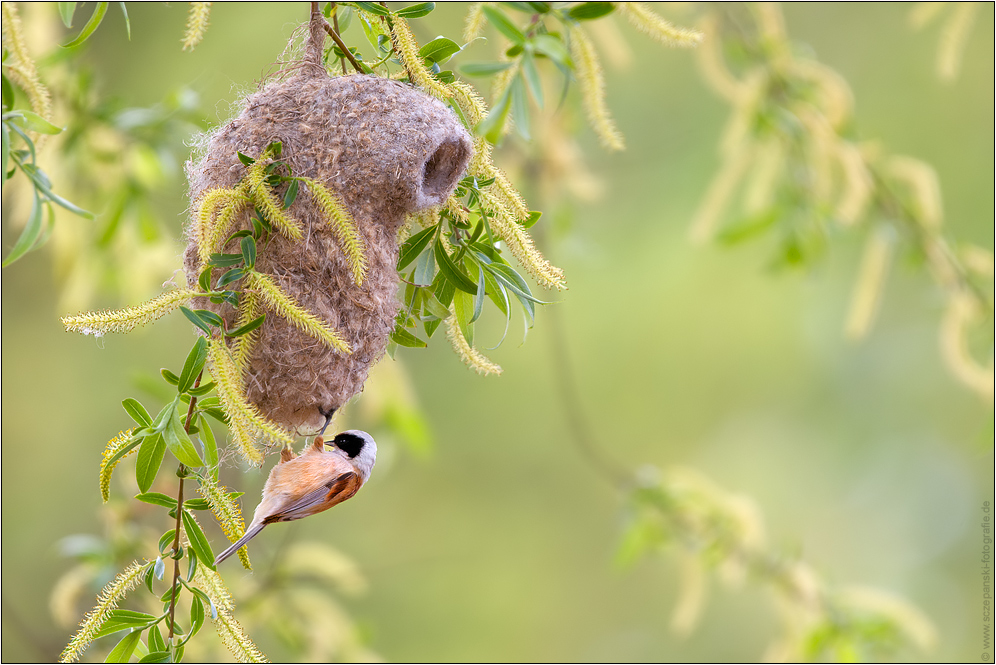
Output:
x,y
179,443
206,435
29,236
35,123
451,271
5,150
41,183
126,647
492,126
483,69
156,641
191,569
165,540
193,365
137,412
425,269
202,389
245,159
198,541
587,11
520,108
529,222
504,25
748,228
210,317
247,328
532,78
373,8
150,458
124,12
8,95
197,504
233,275
163,417
291,194
225,260
479,298
416,11
436,308
463,307
157,499
169,376
91,25
552,48
66,11
159,656
412,247
403,337
249,250
196,615
196,320
439,50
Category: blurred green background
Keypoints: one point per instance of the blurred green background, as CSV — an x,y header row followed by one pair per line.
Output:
x,y
868,460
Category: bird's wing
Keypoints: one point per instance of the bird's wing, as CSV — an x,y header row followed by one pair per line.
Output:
x,y
331,493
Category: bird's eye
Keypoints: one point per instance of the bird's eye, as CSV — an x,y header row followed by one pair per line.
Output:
x,y
350,444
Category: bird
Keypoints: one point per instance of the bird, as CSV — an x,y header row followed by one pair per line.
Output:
x,y
314,481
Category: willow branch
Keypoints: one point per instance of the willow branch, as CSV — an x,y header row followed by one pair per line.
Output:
x,y
316,16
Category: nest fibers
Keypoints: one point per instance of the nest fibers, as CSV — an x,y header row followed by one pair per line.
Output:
x,y
387,150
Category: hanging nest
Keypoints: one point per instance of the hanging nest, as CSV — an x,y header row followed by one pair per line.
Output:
x,y
369,151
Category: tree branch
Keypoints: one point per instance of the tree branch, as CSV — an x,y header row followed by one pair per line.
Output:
x,y
316,16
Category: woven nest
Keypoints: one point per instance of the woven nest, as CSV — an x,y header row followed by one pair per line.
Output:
x,y
387,150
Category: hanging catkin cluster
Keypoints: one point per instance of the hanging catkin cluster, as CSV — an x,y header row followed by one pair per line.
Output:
x,y
378,148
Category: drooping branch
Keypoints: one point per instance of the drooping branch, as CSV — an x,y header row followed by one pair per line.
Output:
x,y
318,19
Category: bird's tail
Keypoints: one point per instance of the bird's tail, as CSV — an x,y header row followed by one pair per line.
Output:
x,y
246,537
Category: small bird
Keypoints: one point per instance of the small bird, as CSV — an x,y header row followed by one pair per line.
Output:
x,y
312,482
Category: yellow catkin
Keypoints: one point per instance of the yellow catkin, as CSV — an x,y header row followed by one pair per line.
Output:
x,y
226,510
20,67
521,245
718,195
589,74
691,596
468,354
106,469
242,346
285,305
711,62
218,213
197,24
127,319
924,188
267,201
961,312
924,12
646,21
474,24
232,636
246,423
407,47
857,185
834,95
868,289
953,40
343,227
107,602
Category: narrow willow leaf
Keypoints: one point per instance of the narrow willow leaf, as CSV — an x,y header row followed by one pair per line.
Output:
x,y
416,11
166,540
403,337
157,499
66,11
156,641
453,273
210,444
91,25
504,25
413,247
122,652
196,319
249,249
193,365
439,50
587,11
179,443
198,541
247,328
150,458
137,412
463,307
29,236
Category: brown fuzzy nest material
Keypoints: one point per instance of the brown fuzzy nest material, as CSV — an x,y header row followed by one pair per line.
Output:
x,y
387,150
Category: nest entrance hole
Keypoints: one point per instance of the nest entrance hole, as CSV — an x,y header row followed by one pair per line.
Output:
x,y
443,169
